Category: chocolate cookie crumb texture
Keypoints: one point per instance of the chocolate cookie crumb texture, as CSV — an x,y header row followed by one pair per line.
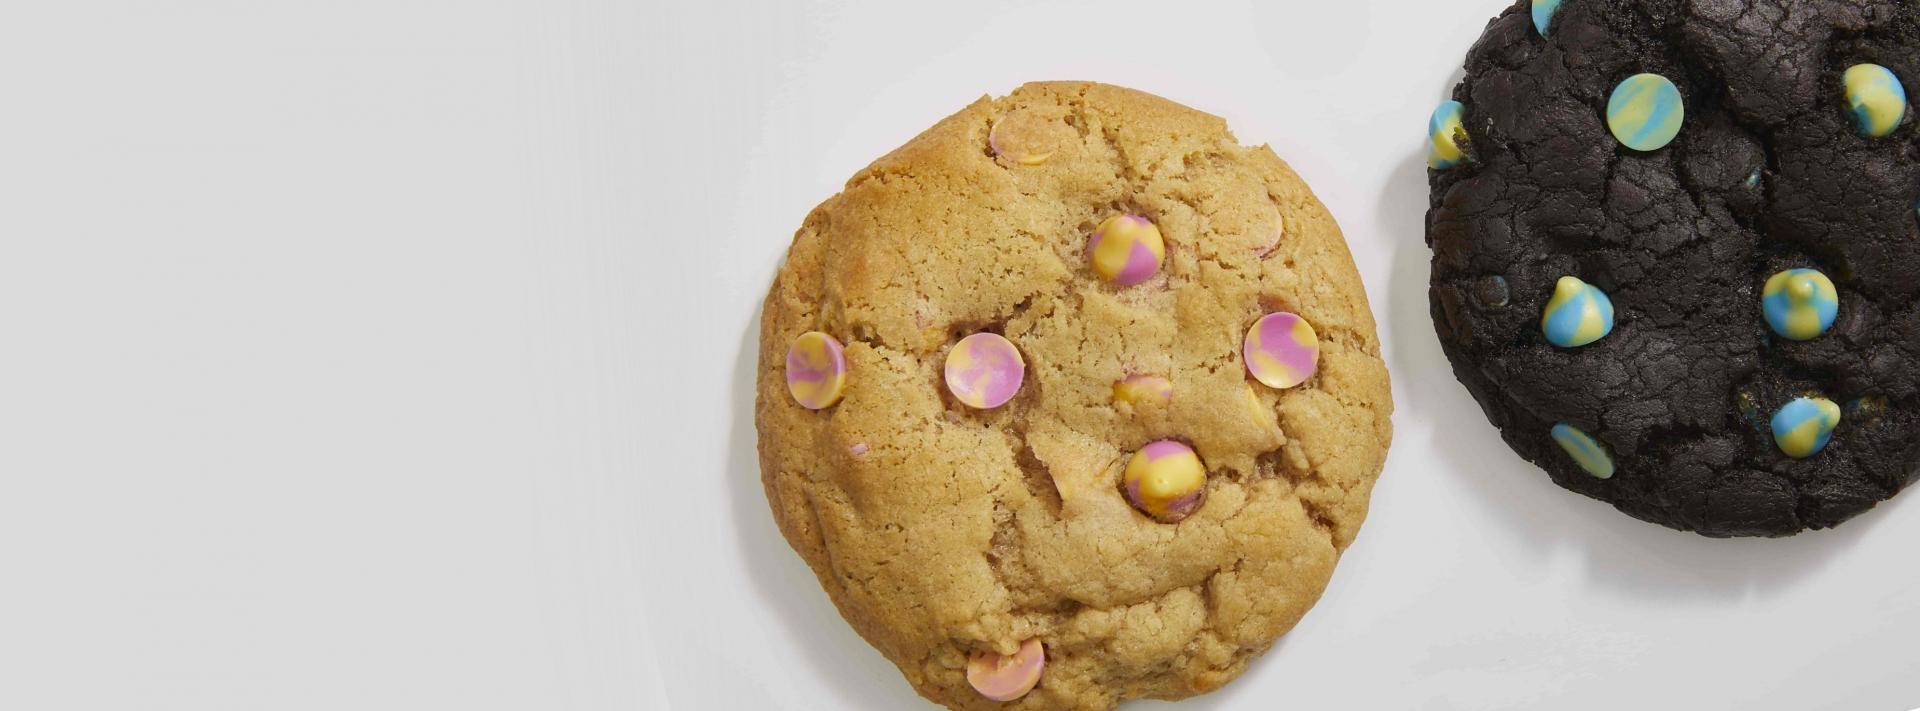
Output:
x,y
1741,187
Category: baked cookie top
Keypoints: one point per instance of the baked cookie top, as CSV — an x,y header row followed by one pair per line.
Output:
x,y
1070,399
1675,252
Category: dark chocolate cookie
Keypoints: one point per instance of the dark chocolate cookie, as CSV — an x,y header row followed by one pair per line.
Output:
x,y
1675,253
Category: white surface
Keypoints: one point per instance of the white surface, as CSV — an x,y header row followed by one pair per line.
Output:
x,y
394,354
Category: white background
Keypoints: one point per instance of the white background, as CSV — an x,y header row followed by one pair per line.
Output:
x,y
396,354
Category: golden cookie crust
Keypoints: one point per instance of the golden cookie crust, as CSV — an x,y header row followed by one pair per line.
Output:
x,y
939,530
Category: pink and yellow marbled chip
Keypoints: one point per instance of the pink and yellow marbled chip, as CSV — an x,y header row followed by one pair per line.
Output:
x,y
1165,480
1027,136
985,370
1140,390
1126,249
816,370
1005,677
1281,350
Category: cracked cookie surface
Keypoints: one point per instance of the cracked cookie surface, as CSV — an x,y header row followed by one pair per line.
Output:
x,y
1768,172
940,530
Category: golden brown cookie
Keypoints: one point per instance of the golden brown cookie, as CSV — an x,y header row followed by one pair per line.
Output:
x,y
950,527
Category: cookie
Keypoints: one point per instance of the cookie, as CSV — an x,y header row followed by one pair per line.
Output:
x,y
1063,448
1676,257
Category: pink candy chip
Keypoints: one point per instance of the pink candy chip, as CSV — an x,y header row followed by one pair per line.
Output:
x,y
1007,677
816,370
1126,249
1143,390
985,370
1281,350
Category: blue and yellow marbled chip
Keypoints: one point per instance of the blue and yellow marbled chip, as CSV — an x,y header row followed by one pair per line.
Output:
x,y
1877,99
1543,14
1584,450
1446,136
1578,314
1803,427
1750,411
1800,304
1865,409
1645,112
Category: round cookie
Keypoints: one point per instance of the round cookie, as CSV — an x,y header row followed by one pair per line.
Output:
x,y
999,548
1747,359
